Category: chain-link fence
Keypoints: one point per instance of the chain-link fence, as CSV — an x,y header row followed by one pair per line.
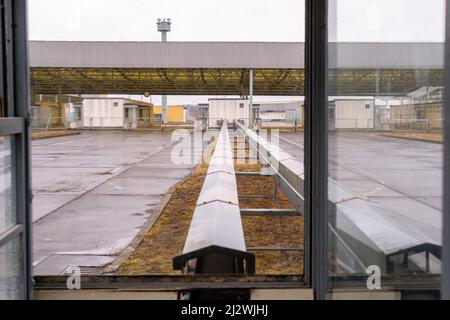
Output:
x,y
51,123
425,125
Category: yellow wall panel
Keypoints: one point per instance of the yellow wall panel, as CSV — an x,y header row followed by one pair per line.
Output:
x,y
174,113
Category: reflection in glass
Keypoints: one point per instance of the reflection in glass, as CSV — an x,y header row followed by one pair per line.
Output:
x,y
385,135
11,271
7,211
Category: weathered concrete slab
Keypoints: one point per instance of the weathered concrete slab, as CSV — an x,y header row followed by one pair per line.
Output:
x,y
145,171
68,179
48,203
136,186
93,224
100,187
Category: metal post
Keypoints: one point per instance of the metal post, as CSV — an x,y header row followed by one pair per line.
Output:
x,y
49,119
61,112
164,36
250,118
316,147
164,109
445,277
164,26
275,190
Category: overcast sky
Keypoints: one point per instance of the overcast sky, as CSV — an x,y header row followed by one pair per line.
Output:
x,y
232,20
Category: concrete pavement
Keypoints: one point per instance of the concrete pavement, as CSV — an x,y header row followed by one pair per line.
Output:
x,y
93,192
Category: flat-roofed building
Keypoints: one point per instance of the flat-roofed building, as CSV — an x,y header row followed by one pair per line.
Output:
x,y
229,109
117,113
351,113
423,116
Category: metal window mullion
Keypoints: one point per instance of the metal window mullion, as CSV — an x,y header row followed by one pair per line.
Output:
x,y
8,58
316,147
3,106
22,141
445,276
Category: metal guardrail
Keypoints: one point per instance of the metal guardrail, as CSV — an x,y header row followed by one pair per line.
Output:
x,y
215,243
363,233
86,122
287,171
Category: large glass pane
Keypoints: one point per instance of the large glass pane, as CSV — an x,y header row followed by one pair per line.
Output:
x,y
385,143
7,210
114,135
11,270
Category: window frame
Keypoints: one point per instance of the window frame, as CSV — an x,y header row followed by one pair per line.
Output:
x,y
16,123
14,92
445,270
316,148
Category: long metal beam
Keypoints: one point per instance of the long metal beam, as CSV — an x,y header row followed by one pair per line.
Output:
x,y
215,243
222,68
172,282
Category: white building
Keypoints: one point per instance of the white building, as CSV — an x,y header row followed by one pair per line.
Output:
x,y
115,113
352,114
227,109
